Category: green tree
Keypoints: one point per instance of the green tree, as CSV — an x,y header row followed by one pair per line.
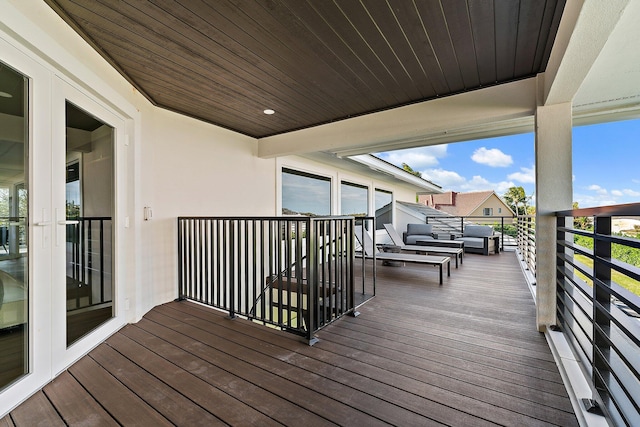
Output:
x,y
581,222
516,198
4,202
408,168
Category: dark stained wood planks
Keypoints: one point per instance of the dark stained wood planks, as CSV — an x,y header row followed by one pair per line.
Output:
x,y
419,354
314,62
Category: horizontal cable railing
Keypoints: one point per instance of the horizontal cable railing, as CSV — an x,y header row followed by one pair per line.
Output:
x,y
598,306
452,225
295,273
526,240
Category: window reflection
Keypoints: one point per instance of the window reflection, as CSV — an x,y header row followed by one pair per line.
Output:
x,y
384,208
305,194
354,199
14,330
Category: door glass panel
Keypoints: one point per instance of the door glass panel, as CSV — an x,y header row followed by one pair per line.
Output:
x,y
13,230
89,229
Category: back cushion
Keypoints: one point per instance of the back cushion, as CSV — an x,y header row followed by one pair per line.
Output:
x,y
478,231
419,229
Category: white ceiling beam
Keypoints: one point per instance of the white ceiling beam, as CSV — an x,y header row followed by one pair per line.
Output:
x,y
584,30
486,112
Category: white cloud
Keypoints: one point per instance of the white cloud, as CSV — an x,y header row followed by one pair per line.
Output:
x,y
491,157
453,181
602,197
526,175
601,191
632,193
416,158
444,178
590,200
625,192
478,183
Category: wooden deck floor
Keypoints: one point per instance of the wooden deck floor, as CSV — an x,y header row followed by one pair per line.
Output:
x,y
462,354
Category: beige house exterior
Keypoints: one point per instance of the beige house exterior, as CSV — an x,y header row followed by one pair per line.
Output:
x,y
476,204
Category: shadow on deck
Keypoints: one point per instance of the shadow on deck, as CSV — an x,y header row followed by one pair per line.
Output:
x,y
464,353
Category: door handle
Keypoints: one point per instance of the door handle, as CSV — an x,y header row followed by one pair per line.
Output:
x,y
44,223
59,234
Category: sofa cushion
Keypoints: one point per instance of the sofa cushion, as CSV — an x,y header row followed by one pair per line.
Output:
x,y
414,239
472,242
477,231
419,229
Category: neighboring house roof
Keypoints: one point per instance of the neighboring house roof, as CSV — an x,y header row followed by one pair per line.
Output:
x,y
460,204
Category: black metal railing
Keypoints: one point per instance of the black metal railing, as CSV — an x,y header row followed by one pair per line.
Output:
x,y
89,262
526,240
295,273
597,309
368,287
453,225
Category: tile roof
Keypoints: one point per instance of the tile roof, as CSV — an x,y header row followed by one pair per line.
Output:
x,y
454,203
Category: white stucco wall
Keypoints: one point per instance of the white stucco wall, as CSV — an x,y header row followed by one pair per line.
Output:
x,y
192,168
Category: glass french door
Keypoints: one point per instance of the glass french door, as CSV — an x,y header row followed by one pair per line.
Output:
x,y
88,220
58,272
83,170
14,241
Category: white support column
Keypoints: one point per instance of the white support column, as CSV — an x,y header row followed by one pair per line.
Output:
x,y
554,192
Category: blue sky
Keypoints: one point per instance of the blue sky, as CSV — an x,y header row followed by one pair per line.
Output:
x,y
606,163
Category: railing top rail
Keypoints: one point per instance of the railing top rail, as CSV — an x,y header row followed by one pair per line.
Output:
x,y
468,216
92,218
266,218
630,209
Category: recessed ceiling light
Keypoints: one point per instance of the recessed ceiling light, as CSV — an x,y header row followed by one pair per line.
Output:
x,y
5,95
269,111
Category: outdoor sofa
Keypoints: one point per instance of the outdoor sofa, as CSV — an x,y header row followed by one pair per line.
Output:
x,y
479,239
456,252
418,232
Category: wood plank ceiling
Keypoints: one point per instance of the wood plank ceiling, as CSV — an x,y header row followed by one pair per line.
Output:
x,y
313,61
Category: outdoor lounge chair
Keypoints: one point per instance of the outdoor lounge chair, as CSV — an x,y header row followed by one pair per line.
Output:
x,y
457,253
369,250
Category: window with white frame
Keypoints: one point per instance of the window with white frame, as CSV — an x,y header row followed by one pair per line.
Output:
x,y
384,208
354,199
487,211
305,194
